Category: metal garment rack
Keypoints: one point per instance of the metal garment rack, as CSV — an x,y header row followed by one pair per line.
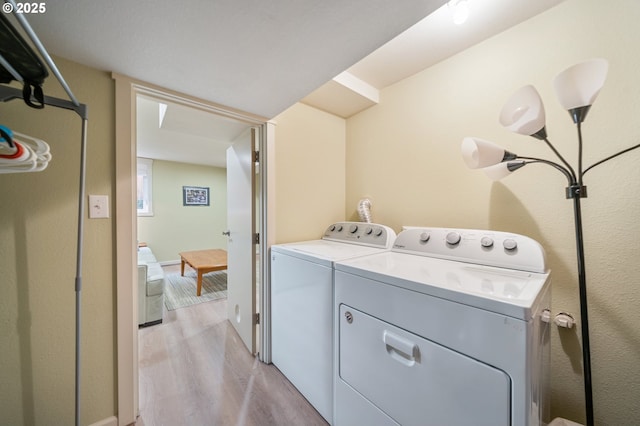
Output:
x,y
9,93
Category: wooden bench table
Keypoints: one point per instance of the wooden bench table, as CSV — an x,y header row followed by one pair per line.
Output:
x,y
203,261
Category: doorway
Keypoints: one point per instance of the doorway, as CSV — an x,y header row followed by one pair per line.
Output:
x,y
127,91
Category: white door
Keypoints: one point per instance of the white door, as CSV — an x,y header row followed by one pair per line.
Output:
x,y
241,249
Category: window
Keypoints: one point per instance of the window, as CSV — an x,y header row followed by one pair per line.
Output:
x,y
145,187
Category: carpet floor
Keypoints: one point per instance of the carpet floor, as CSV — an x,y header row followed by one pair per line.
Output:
x,y
181,291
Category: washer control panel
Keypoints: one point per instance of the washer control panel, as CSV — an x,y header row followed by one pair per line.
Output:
x,y
482,247
370,234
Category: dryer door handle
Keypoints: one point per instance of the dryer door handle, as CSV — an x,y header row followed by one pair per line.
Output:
x,y
400,349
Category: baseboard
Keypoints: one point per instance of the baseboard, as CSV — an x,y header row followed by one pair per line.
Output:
x,y
169,262
111,421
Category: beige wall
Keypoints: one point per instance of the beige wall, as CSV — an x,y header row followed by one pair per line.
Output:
x,y
310,172
405,154
173,227
38,223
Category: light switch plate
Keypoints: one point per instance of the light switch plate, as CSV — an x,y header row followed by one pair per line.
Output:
x,y
98,206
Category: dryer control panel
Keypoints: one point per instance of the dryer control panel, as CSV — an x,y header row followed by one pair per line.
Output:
x,y
482,247
369,234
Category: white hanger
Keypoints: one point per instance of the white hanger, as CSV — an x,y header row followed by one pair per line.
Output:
x,y
28,155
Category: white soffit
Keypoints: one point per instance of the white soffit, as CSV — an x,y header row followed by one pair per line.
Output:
x,y
433,39
436,38
344,96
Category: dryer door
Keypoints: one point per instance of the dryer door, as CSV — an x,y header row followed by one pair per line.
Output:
x,y
416,381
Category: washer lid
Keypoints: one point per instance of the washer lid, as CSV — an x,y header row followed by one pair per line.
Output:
x,y
325,251
505,291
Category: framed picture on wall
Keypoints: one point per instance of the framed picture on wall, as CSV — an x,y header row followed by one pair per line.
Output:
x,y
195,196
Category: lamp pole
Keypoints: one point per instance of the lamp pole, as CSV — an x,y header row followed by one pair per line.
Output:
x,y
578,192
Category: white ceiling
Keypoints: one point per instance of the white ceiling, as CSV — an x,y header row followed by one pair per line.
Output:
x,y
262,57
257,56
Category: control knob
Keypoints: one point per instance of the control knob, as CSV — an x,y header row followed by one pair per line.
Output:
x,y
424,237
339,228
486,242
510,244
378,232
368,230
453,238
353,229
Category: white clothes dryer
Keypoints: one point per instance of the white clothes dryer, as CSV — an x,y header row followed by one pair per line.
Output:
x,y
302,304
450,327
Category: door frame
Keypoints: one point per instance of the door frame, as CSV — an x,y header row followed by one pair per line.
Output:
x,y
126,92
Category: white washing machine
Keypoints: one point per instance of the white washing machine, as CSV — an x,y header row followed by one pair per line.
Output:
x,y
302,304
450,328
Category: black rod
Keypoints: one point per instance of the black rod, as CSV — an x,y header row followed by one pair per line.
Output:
x,y
580,174
584,317
631,148
565,172
8,93
555,151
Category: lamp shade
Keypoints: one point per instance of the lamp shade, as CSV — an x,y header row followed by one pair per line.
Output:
x,y
501,170
524,112
478,153
579,85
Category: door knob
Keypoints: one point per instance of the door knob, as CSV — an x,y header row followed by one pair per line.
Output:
x,y
227,233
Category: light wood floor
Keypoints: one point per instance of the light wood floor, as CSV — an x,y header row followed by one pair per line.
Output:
x,y
195,371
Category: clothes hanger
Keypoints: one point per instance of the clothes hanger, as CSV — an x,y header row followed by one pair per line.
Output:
x,y
26,154
7,135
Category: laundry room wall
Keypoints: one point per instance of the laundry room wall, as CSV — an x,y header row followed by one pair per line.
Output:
x,y
174,227
38,235
404,153
310,172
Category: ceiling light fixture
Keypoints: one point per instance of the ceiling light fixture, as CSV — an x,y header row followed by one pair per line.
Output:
x,y
576,88
459,10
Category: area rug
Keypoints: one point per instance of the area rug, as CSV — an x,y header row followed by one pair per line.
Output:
x,y
180,291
